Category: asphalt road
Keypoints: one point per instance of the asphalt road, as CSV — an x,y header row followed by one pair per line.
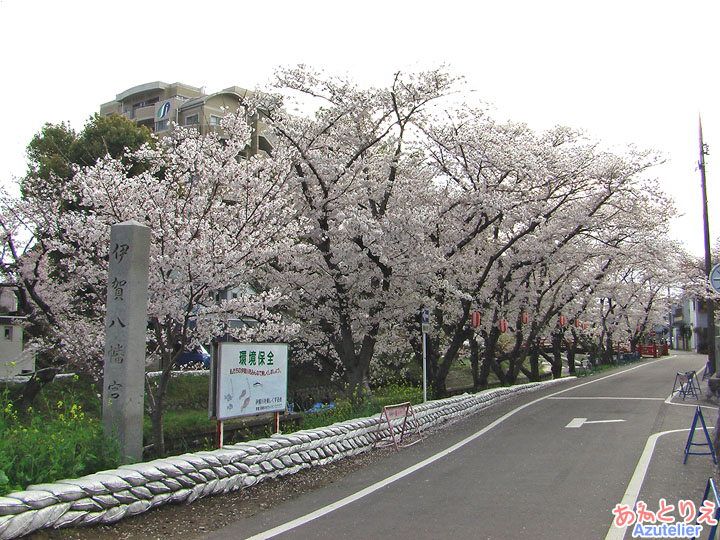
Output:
x,y
547,465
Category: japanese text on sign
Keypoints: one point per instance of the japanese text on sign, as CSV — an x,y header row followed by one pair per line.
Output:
x,y
251,379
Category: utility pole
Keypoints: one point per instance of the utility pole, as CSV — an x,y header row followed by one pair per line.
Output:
x,y
708,259
670,320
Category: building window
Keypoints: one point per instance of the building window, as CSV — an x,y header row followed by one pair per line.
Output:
x,y
215,120
192,120
146,103
8,333
162,125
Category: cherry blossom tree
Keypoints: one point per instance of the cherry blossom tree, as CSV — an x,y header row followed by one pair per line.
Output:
x,y
514,200
215,219
356,185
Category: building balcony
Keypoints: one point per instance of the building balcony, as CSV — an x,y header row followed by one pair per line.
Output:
x,y
143,113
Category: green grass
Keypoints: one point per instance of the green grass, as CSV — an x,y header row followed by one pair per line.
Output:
x,y
54,440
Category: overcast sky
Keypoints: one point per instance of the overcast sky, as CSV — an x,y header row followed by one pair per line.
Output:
x,y
624,71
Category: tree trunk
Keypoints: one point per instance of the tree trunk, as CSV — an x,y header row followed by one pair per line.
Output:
x,y
478,383
158,430
607,352
534,375
356,364
571,351
556,362
358,383
156,400
498,371
442,368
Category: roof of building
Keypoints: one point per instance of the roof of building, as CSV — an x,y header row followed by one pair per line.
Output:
x,y
234,90
155,85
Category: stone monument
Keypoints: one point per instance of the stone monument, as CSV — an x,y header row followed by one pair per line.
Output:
x,y
125,327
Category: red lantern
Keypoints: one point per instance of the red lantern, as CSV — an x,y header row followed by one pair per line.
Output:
x,y
503,325
584,326
525,317
577,323
563,320
475,319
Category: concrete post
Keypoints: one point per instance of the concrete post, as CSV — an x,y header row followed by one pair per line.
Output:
x,y
125,326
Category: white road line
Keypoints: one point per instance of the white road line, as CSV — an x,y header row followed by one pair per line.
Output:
x,y
389,480
612,398
285,527
693,405
579,422
636,482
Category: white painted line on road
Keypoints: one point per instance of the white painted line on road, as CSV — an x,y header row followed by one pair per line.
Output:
x,y
389,480
578,422
285,527
636,482
611,397
669,401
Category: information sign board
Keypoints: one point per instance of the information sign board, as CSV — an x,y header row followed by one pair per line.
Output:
x,y
251,379
425,321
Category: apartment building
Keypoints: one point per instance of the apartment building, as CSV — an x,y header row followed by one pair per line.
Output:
x,y
158,105
689,321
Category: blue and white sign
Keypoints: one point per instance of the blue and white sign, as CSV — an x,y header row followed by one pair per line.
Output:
x,y
425,321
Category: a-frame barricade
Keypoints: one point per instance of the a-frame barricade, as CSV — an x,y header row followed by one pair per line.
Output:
x,y
393,416
711,491
686,384
706,371
690,443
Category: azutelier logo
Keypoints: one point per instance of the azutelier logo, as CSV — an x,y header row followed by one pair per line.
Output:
x,y
663,524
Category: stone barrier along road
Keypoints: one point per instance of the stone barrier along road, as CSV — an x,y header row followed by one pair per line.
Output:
x,y
108,496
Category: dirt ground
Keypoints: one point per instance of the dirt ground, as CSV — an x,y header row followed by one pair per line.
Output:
x,y
205,515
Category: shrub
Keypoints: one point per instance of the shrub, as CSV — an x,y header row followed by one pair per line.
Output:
x,y
348,409
61,442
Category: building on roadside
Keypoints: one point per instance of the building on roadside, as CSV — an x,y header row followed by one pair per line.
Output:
x,y
690,326
158,105
14,358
